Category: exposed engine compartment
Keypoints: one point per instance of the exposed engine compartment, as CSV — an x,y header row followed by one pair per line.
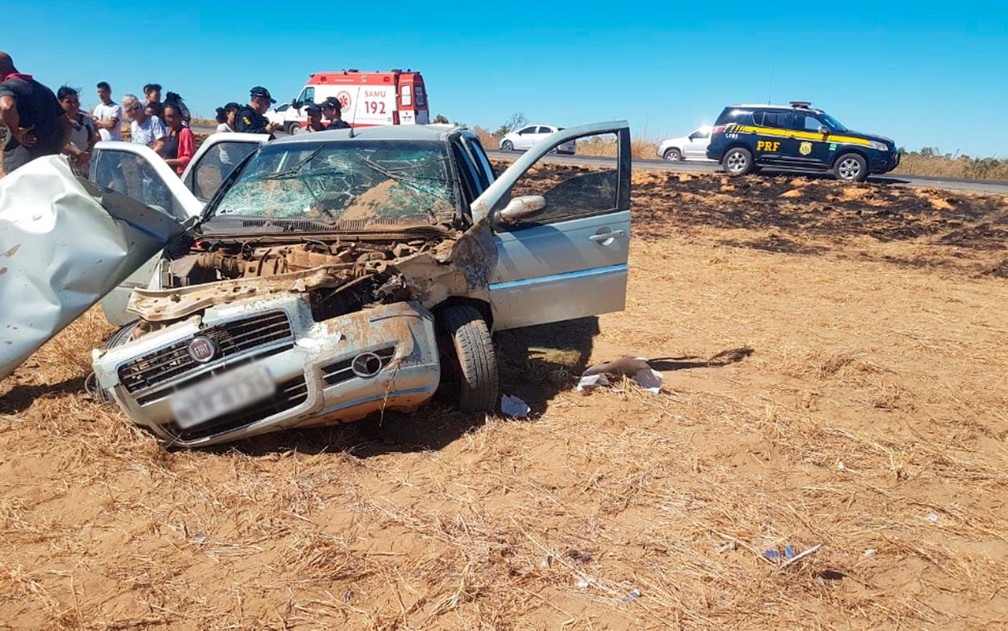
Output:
x,y
339,274
208,262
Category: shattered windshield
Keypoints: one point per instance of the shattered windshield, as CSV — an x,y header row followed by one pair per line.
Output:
x,y
349,185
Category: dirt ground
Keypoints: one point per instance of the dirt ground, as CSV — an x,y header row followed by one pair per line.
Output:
x,y
835,373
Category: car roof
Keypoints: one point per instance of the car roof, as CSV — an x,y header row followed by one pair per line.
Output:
x,y
383,132
767,106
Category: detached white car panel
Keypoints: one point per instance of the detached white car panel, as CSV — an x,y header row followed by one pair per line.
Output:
x,y
62,247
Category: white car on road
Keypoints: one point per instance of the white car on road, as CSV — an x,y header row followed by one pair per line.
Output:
x,y
690,147
522,139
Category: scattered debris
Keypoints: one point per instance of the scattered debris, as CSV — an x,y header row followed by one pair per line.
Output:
x,y
514,407
636,368
870,552
787,556
577,555
632,596
583,583
932,517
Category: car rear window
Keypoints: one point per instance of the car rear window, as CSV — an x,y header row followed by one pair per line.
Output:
x,y
735,115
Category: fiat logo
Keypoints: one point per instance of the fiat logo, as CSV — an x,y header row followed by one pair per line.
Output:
x,y
202,349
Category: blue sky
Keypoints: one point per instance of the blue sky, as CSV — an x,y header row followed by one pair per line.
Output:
x,y
923,73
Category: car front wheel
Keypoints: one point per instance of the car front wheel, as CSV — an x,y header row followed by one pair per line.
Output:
x,y
673,155
507,145
738,161
475,359
850,167
293,129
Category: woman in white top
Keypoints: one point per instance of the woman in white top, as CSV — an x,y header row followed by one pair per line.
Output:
x,y
83,133
225,124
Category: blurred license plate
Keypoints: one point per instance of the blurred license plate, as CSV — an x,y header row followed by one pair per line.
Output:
x,y
221,394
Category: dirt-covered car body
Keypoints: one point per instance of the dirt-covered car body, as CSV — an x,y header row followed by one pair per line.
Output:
x,y
312,288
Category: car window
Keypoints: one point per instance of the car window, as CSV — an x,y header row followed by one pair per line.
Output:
x,y
216,164
527,130
810,123
480,159
776,119
407,96
347,185
470,179
699,134
545,130
741,116
131,175
575,193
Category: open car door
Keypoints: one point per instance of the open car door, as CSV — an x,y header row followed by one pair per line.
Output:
x,y
137,172
562,241
64,245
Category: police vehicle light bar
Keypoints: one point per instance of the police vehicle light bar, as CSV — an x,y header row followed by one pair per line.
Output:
x,y
802,104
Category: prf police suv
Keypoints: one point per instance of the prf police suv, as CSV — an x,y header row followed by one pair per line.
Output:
x,y
746,137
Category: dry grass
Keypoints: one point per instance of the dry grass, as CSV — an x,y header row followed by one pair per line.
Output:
x,y
837,399
962,167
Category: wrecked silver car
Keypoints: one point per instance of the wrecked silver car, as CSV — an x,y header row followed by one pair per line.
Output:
x,y
335,274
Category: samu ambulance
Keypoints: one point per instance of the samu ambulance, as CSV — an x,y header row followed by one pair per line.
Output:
x,y
369,99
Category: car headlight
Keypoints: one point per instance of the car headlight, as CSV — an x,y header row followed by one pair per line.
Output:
x,y
879,146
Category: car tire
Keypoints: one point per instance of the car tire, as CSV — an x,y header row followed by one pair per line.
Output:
x,y
738,161
507,145
850,167
476,361
293,128
672,155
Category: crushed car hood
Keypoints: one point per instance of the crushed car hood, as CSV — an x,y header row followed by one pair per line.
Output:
x,y
62,247
461,264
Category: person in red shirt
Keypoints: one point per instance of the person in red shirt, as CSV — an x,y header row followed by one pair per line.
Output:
x,y
179,146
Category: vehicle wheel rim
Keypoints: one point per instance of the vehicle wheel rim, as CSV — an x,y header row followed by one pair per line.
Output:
x,y
849,169
672,156
736,162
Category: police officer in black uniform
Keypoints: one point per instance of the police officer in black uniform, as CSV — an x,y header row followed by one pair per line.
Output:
x,y
332,109
250,119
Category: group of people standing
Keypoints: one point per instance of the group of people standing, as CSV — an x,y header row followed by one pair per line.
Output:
x,y
41,123
251,118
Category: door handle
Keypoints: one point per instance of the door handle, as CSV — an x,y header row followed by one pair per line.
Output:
x,y
602,237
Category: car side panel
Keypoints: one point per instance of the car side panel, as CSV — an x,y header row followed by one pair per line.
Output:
x,y
564,269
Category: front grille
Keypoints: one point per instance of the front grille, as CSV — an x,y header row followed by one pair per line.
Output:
x,y
289,395
151,396
342,371
230,338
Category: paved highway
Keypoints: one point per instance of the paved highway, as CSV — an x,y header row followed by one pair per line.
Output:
x,y
974,186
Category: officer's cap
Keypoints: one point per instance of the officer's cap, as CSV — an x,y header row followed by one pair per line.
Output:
x,y
263,92
332,103
313,108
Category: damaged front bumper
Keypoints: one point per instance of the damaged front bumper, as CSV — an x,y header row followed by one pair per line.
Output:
x,y
337,370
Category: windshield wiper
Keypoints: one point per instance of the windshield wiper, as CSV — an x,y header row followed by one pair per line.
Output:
x,y
294,170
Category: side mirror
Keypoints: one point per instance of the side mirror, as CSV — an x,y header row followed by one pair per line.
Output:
x,y
297,104
824,130
521,208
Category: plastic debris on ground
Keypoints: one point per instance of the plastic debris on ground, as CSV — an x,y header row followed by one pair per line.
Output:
x,y
636,368
514,407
